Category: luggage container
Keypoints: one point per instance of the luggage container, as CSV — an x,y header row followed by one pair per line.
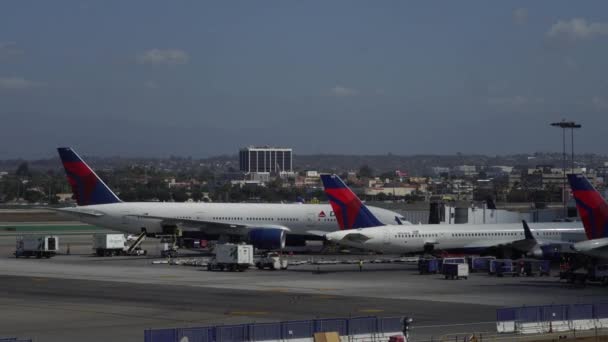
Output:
x,y
452,260
504,267
428,266
533,268
456,271
37,245
480,263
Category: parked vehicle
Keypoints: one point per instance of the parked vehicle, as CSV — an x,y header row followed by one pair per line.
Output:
x,y
117,244
456,271
592,273
231,257
480,263
428,266
38,246
273,261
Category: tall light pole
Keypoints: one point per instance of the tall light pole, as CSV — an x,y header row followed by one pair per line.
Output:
x,y
564,125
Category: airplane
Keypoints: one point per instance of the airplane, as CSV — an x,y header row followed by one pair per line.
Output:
x,y
461,238
593,210
266,226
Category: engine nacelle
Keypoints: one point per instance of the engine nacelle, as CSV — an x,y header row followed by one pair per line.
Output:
x,y
548,251
267,238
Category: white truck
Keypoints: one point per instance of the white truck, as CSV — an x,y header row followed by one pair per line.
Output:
x,y
272,261
109,244
37,245
231,257
115,244
456,271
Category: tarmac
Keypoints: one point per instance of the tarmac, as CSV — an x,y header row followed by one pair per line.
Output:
x,y
82,297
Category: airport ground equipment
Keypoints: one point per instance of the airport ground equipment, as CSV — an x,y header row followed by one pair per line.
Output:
x,y
451,260
428,266
456,271
109,244
117,244
169,246
533,267
595,273
37,245
480,263
231,257
503,267
272,261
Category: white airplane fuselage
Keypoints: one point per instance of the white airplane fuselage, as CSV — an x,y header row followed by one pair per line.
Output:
x,y
459,237
131,217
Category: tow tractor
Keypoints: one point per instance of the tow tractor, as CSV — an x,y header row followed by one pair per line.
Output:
x,y
272,260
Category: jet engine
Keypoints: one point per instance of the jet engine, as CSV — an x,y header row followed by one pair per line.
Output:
x,y
548,251
267,238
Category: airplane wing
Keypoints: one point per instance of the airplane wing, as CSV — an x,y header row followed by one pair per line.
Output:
x,y
78,211
355,237
210,226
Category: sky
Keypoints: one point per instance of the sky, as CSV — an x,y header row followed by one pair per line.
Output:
x,y
203,78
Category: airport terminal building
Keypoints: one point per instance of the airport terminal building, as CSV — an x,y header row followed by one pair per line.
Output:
x,y
266,160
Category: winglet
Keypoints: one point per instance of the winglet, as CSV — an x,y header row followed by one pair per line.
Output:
x,y
350,212
592,208
87,187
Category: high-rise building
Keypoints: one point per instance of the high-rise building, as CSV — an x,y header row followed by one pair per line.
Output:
x,y
266,160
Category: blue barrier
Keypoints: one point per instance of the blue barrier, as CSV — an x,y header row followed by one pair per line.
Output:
x,y
548,313
580,311
276,331
600,310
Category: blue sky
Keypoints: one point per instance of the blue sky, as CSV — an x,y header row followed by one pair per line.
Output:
x,y
200,78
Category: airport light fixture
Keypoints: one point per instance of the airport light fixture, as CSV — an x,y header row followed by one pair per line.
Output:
x,y
565,125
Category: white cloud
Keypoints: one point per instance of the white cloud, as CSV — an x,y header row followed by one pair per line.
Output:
x,y
17,83
160,56
600,103
9,49
577,28
520,16
514,101
343,91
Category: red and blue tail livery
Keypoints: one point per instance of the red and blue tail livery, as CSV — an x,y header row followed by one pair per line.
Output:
x,y
349,210
592,208
87,187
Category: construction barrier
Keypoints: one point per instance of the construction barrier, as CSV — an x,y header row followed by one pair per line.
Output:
x,y
552,318
356,329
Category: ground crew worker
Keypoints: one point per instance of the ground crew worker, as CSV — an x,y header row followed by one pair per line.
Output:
x,y
360,265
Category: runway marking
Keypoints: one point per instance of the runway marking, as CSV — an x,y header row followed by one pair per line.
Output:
x,y
247,313
370,310
168,277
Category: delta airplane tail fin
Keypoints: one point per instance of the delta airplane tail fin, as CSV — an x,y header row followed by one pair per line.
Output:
x,y
592,208
87,187
349,210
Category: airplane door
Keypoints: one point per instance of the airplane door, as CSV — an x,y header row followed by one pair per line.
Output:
x,y
311,219
386,237
126,219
